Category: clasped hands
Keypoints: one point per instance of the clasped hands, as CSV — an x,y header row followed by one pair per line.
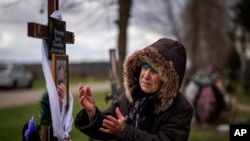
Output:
x,y
111,125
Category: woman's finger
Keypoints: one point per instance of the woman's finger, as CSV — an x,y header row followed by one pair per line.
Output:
x,y
120,116
87,90
80,90
104,130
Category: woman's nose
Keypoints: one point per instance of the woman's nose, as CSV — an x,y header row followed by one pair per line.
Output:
x,y
147,73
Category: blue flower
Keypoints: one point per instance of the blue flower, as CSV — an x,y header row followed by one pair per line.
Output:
x,y
31,128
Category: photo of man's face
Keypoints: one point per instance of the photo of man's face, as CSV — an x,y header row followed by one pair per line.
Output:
x,y
61,72
60,75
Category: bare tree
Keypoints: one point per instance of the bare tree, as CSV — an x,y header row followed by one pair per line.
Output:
x,y
122,22
241,35
206,27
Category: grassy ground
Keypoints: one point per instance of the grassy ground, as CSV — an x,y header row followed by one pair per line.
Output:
x,y
199,133
13,119
239,115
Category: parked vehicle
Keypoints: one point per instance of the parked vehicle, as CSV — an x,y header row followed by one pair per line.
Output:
x,y
13,75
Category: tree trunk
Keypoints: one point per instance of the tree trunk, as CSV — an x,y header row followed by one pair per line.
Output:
x,y
124,14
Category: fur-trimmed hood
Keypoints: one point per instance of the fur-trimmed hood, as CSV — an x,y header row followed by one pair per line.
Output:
x,y
168,57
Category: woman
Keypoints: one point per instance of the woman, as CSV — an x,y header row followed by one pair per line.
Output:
x,y
151,108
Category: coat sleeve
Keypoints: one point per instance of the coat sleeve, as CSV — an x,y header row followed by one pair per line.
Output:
x,y
91,128
174,125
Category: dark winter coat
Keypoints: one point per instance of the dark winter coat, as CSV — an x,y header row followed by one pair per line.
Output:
x,y
167,114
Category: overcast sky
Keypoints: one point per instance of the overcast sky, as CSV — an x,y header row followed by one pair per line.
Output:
x,y
95,32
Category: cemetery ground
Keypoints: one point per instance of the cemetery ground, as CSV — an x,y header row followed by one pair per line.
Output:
x,y
12,119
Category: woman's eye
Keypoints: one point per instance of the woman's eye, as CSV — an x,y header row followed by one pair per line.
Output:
x,y
144,68
153,72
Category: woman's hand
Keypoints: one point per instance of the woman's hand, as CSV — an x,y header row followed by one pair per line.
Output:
x,y
87,100
114,126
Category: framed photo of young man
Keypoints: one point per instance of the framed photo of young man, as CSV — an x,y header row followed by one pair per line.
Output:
x,y
60,72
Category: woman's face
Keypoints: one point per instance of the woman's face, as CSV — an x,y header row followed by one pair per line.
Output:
x,y
149,80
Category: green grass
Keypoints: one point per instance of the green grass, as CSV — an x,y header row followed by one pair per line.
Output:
x,y
13,119
199,133
210,133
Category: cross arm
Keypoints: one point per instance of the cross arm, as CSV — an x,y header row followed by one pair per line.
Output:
x,y
37,30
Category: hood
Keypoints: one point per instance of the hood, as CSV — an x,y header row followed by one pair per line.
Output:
x,y
168,57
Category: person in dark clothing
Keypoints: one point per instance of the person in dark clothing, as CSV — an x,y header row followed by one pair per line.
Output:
x,y
151,108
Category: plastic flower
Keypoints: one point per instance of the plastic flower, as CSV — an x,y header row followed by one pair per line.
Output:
x,y
31,128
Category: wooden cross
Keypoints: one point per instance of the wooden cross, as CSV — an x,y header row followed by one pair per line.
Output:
x,y
56,35
37,30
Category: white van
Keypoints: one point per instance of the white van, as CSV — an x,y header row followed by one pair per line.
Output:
x,y
13,75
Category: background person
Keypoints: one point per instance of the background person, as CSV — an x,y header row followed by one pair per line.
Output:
x,y
151,108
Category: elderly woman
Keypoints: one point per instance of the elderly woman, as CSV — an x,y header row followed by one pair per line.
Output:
x,y
151,108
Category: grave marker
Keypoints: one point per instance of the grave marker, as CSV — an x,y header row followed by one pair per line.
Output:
x,y
47,33
56,38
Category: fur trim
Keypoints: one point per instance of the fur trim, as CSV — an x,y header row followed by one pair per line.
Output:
x,y
165,69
